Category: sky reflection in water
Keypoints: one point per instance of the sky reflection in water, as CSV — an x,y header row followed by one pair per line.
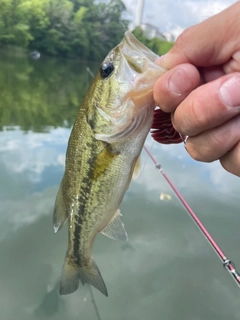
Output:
x,y
166,270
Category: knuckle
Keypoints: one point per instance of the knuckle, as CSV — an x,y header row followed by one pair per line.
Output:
x,y
194,149
215,140
199,154
188,118
194,114
182,40
201,149
198,115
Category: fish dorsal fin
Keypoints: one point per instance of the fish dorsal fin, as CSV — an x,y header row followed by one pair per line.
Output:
x,y
60,212
115,228
137,168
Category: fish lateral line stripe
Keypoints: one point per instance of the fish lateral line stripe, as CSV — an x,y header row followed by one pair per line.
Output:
x,y
76,242
78,216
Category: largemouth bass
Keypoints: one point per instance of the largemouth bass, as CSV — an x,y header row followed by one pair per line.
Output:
x,y
104,146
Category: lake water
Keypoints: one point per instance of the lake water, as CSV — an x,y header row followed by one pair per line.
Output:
x,y
166,270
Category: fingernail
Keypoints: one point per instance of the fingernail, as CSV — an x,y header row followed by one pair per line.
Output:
x,y
230,92
179,82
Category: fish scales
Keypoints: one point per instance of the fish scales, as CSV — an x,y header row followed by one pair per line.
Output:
x,y
104,146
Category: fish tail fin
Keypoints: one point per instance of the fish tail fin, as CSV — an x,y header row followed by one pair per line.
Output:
x,y
69,278
93,276
72,274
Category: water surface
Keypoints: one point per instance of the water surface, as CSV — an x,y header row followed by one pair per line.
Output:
x,y
166,270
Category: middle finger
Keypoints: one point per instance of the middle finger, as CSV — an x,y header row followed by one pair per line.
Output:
x,y
208,106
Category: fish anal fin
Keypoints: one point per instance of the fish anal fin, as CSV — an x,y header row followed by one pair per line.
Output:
x,y
115,228
60,212
137,168
71,275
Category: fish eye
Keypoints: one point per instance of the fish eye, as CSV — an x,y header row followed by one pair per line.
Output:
x,y
106,69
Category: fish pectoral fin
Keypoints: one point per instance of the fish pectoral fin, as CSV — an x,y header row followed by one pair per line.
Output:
x,y
60,212
104,160
115,228
137,168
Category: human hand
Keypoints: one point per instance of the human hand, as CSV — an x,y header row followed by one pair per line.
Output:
x,y
202,88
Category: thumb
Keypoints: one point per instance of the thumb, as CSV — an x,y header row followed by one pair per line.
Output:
x,y
211,42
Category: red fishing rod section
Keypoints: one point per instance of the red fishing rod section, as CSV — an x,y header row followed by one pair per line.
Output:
x,y
228,264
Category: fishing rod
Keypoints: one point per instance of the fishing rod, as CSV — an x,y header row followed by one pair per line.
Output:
x,y
228,264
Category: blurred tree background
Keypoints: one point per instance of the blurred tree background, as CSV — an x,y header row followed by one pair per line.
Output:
x,y
40,94
83,29
157,45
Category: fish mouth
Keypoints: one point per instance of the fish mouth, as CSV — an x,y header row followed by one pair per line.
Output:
x,y
135,75
130,46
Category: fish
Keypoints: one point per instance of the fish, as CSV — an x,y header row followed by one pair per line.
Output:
x,y
102,155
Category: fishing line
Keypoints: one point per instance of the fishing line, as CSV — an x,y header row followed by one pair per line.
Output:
x,y
94,303
228,264
144,163
89,72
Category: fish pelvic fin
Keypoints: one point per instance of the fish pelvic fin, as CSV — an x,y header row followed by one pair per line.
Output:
x,y
71,275
60,212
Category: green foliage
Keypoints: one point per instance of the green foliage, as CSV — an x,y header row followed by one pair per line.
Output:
x,y
86,29
37,94
157,45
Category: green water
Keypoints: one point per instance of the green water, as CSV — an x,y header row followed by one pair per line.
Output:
x,y
165,271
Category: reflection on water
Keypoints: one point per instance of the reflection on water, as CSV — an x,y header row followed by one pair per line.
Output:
x,y
166,269
38,94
